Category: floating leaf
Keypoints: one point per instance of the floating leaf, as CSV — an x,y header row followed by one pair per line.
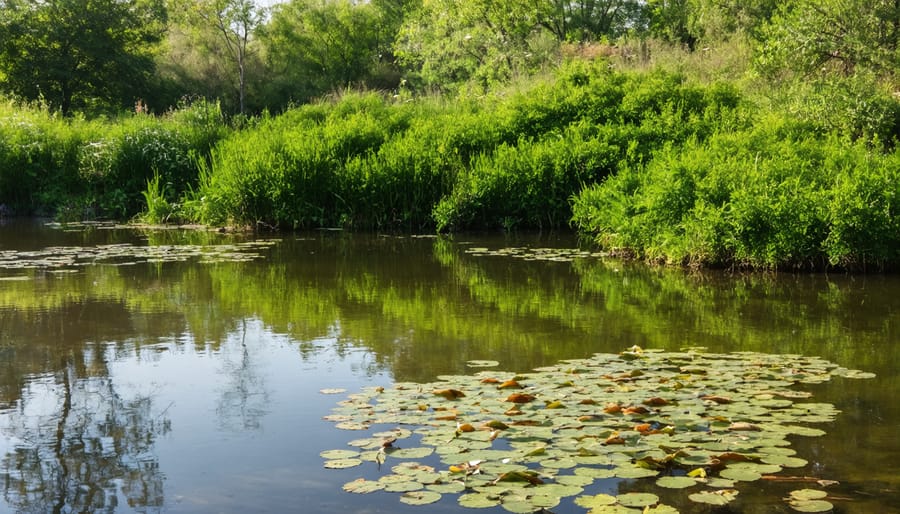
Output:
x,y
420,497
811,505
673,482
363,486
637,499
479,500
592,502
808,494
342,463
338,454
332,391
742,475
722,497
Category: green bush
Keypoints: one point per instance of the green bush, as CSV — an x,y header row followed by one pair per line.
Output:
x,y
776,196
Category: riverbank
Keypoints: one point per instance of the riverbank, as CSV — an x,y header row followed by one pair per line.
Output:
x,y
650,163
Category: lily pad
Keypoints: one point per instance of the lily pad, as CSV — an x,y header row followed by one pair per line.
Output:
x,y
811,505
637,499
673,482
720,497
420,497
598,500
482,364
363,486
529,438
342,463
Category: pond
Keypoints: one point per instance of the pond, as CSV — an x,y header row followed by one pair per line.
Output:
x,y
190,371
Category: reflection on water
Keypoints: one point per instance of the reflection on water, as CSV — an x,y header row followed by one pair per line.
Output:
x,y
189,387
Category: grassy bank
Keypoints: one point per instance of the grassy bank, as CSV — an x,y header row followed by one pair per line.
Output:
x,y
699,171
511,160
75,169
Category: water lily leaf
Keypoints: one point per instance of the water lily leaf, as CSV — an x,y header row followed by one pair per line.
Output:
x,y
742,475
811,505
676,482
637,499
363,486
635,472
402,487
598,500
447,488
660,509
721,497
479,500
808,494
420,497
342,463
784,460
333,391
339,454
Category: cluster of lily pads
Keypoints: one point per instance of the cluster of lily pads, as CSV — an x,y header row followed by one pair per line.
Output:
x,y
70,258
687,420
535,254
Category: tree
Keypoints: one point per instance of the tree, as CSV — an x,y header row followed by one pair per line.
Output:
x,y
448,42
314,46
225,32
846,36
75,54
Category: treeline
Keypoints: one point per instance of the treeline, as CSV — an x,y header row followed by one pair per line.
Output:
x,y
692,132
103,56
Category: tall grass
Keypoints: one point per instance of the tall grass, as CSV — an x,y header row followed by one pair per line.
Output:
x,y
775,196
74,168
512,159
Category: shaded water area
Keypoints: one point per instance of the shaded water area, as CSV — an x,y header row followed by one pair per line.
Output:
x,y
149,372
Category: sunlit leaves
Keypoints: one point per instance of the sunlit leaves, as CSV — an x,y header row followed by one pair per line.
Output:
x,y
720,497
74,257
685,419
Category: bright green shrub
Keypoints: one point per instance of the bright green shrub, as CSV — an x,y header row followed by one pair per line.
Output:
x,y
772,197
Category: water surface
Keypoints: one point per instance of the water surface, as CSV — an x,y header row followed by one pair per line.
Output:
x,y
169,378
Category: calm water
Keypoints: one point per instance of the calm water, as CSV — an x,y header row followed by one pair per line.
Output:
x,y
135,384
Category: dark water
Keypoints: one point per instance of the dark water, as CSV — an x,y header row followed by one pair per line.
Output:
x,y
138,385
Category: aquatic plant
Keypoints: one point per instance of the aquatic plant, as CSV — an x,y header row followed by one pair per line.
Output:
x,y
688,420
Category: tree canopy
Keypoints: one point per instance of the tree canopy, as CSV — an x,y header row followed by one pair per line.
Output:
x,y
78,54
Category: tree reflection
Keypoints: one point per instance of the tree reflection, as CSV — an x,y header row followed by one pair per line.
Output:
x,y
81,446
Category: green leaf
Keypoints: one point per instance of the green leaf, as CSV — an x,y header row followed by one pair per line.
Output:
x,y
420,497
721,497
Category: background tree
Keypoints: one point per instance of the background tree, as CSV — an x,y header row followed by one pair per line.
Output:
x,y
315,46
225,31
844,36
76,54
447,42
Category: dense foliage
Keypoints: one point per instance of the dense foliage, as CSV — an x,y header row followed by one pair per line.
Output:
x,y
684,131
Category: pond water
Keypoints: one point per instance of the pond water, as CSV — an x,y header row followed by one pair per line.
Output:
x,y
183,371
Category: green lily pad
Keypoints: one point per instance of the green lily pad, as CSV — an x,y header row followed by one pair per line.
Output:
x,y
342,463
598,500
720,497
811,505
420,497
339,454
626,417
679,482
808,494
479,500
739,474
363,486
637,499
